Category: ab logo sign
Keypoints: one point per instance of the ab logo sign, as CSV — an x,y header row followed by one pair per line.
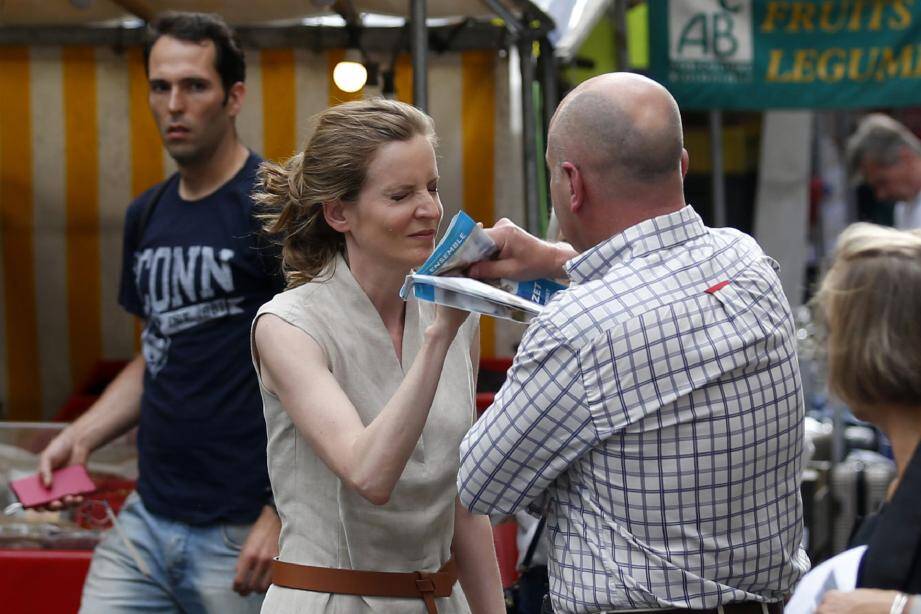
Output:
x,y
758,54
710,41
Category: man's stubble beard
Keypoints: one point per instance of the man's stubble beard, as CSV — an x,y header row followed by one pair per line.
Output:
x,y
192,156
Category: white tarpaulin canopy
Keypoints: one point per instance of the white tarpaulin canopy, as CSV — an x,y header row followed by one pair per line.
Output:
x,y
236,12
573,19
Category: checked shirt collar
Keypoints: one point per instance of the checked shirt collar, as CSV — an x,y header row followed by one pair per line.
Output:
x,y
659,233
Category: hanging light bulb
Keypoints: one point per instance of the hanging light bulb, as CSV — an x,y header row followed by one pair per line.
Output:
x,y
350,74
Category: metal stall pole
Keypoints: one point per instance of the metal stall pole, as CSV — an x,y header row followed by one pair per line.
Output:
x,y
620,33
843,122
550,91
529,136
420,48
527,69
549,83
716,159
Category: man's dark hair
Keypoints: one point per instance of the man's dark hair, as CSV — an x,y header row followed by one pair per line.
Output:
x,y
198,27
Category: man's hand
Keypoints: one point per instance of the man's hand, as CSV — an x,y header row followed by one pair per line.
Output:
x,y
521,256
64,450
254,565
117,411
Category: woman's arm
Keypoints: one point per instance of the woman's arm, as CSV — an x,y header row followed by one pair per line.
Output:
x,y
369,459
477,568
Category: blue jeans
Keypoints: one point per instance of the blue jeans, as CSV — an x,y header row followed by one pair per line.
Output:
x,y
191,569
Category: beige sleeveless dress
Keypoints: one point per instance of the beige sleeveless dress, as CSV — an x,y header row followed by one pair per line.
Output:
x,y
325,523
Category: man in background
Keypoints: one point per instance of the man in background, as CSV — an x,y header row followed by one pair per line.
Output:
x,y
887,156
654,408
200,529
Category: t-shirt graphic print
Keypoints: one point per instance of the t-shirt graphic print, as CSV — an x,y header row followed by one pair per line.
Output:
x,y
180,288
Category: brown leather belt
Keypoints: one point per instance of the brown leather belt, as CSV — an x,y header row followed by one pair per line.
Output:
x,y
419,584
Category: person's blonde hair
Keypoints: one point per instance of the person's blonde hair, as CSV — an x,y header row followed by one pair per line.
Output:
x,y
871,302
332,166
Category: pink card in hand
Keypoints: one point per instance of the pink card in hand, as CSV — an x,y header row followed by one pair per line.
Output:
x,y
72,480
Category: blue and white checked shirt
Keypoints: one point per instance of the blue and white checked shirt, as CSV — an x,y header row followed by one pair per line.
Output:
x,y
660,413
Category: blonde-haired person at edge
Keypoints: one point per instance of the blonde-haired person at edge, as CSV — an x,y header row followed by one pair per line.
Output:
x,y
366,396
871,301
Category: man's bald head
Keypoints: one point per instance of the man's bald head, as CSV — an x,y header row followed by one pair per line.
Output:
x,y
619,125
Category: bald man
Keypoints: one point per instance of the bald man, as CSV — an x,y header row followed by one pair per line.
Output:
x,y
654,409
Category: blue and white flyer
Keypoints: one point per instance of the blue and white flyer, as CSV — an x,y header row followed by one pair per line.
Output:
x,y
438,280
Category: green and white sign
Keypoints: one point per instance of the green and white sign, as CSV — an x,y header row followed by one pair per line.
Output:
x,y
757,54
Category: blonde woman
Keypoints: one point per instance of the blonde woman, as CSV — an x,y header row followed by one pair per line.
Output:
x,y
366,397
871,300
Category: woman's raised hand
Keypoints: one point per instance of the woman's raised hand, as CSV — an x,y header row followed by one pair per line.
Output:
x,y
449,320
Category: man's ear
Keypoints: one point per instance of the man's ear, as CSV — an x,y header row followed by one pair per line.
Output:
x,y
334,214
685,162
576,186
235,96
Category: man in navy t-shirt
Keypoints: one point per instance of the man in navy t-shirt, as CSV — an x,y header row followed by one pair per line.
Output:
x,y
201,525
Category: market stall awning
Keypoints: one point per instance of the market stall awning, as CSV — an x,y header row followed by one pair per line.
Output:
x,y
236,12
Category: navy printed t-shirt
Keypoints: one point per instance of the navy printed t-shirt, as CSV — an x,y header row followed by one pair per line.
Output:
x,y
197,277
